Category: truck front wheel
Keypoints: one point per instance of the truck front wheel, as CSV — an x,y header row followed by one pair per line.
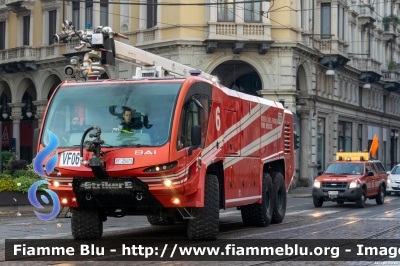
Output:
x,y
205,224
278,197
260,214
86,223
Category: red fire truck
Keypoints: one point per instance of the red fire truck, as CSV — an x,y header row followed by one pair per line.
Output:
x,y
197,147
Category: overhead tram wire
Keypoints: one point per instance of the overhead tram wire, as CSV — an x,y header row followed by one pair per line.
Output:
x,y
244,38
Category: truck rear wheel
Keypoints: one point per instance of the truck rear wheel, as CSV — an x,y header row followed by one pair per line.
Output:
x,y
260,214
278,198
205,224
160,220
86,223
380,199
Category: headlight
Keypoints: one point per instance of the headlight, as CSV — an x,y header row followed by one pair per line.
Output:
x,y
353,184
389,180
317,184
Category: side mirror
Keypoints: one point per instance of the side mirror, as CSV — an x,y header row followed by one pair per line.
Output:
x,y
319,173
370,173
388,172
35,140
196,138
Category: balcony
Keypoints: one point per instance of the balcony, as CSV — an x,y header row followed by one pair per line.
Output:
x,y
365,64
27,58
366,15
236,31
335,52
392,80
389,33
18,6
390,76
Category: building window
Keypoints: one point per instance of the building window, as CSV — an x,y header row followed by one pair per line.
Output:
x,y
252,11
26,27
340,22
344,136
89,14
2,35
103,12
384,103
326,21
52,25
321,143
359,138
226,10
75,14
151,13
360,94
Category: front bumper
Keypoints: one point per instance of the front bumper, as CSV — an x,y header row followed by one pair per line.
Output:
x,y
349,194
393,187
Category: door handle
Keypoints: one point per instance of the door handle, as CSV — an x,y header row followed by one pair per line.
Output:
x,y
373,178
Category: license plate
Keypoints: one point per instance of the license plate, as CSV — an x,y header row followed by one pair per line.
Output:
x,y
333,193
123,161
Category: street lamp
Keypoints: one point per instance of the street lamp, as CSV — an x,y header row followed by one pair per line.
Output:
x,y
5,108
367,85
330,71
28,107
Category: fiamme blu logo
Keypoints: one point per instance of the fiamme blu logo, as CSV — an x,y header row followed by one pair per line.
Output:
x,y
38,167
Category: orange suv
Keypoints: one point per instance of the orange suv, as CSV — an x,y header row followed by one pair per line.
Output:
x,y
351,178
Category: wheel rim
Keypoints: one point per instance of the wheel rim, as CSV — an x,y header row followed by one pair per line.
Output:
x,y
363,197
382,194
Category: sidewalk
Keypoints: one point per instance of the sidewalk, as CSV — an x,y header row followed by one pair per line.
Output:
x,y
300,192
17,210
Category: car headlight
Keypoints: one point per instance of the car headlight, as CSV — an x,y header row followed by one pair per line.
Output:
x,y
317,184
353,184
389,180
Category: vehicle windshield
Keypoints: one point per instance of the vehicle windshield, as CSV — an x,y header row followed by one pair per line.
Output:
x,y
345,169
396,171
129,115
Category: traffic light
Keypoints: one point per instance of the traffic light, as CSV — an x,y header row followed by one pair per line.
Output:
x,y
296,141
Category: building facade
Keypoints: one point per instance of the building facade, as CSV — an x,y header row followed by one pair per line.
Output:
x,y
332,62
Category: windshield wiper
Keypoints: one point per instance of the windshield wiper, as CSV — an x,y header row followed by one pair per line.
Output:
x,y
103,145
135,145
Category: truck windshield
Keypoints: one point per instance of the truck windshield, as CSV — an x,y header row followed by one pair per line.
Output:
x,y
345,169
129,115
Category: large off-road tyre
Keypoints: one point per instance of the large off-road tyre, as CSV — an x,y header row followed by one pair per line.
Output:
x,y
360,202
318,202
279,198
160,220
260,214
86,223
380,199
205,225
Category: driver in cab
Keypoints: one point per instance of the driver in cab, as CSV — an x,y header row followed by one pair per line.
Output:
x,y
129,124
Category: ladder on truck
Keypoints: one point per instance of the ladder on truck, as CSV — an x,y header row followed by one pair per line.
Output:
x,y
105,50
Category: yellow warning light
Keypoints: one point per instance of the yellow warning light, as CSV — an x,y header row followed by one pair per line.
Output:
x,y
352,156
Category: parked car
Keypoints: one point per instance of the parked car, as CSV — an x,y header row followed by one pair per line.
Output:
x,y
393,181
351,178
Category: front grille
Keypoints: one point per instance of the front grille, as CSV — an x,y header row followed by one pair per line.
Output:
x,y
398,182
334,184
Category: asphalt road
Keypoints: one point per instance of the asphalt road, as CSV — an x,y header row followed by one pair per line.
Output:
x,y
302,221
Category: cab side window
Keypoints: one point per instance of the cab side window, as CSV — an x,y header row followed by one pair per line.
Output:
x,y
196,111
372,168
367,168
380,167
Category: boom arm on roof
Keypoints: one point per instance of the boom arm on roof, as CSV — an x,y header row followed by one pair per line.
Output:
x,y
106,50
